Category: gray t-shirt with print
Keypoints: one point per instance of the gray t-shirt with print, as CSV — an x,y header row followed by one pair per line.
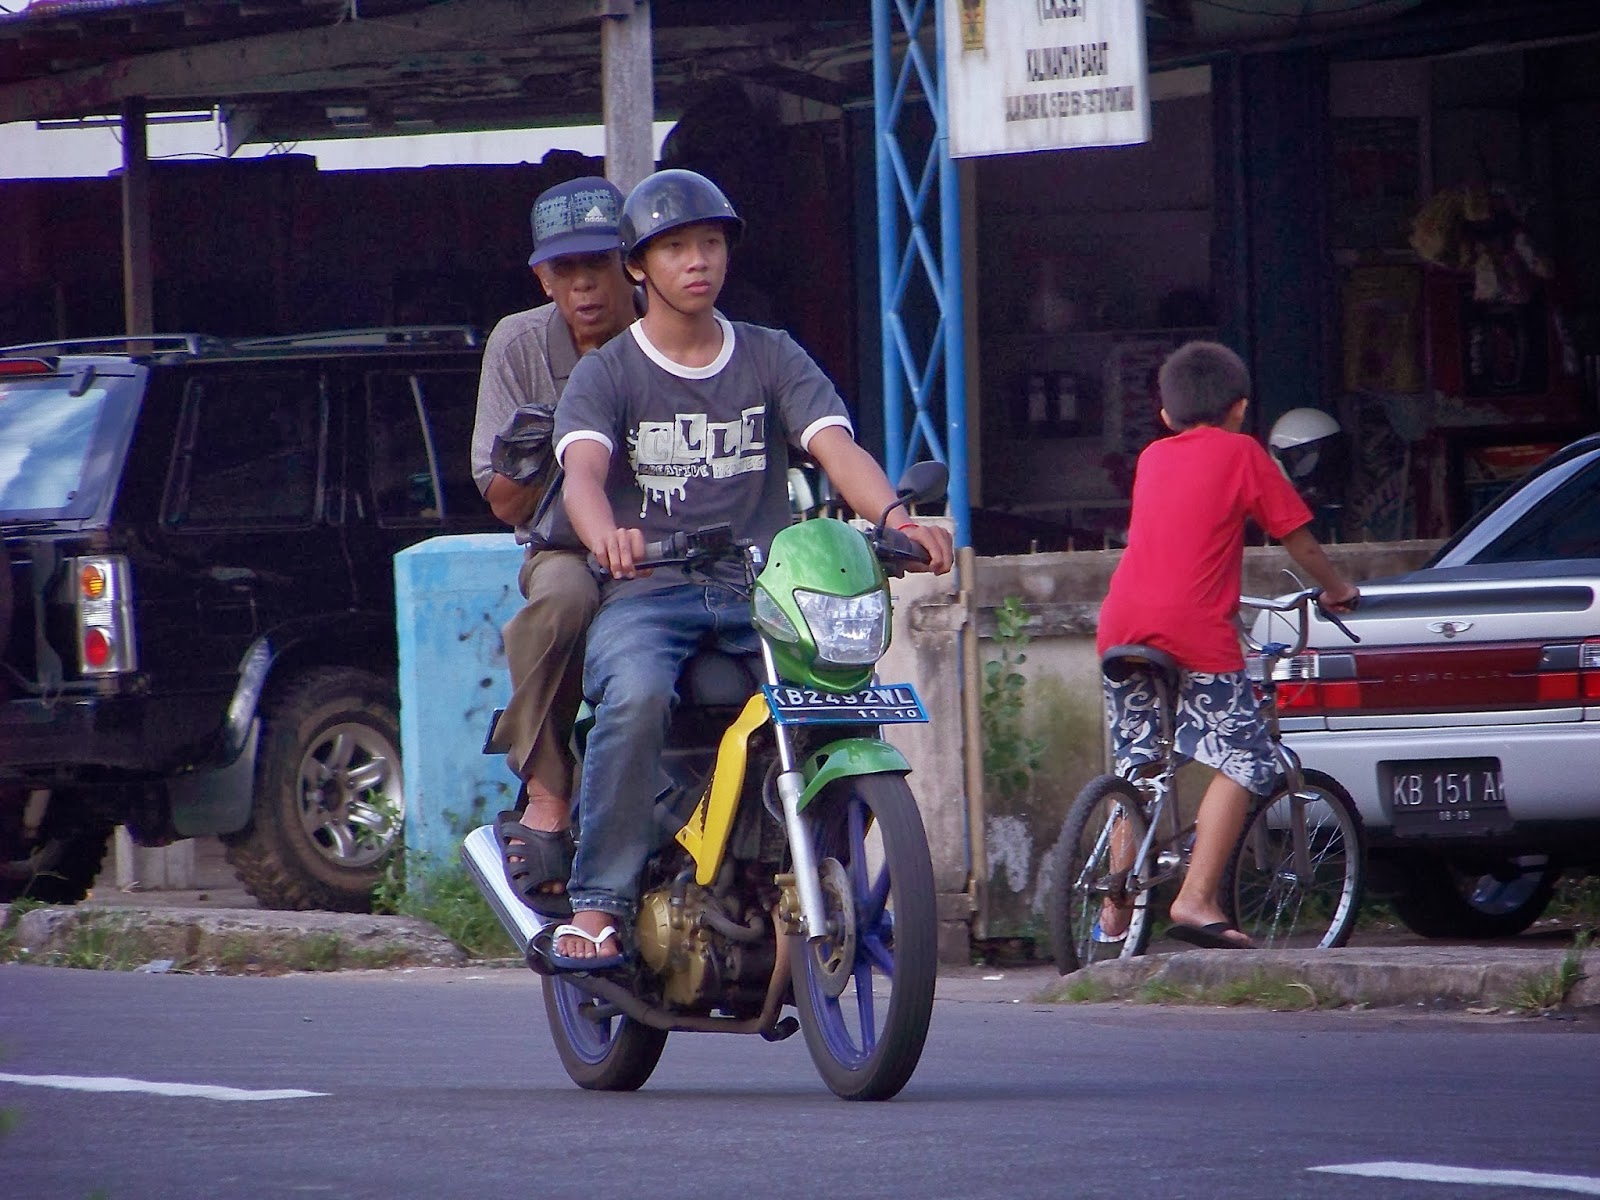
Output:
x,y
696,446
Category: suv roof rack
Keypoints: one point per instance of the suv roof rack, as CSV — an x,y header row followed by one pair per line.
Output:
x,y
383,335
190,343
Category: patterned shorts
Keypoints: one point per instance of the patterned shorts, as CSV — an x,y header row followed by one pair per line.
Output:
x,y
1218,723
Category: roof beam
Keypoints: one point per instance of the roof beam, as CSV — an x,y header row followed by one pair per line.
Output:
x,y
300,60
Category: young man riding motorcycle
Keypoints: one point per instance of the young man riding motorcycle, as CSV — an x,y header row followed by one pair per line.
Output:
x,y
683,421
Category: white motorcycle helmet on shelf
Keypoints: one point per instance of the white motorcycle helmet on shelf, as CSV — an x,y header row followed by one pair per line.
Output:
x,y
1310,447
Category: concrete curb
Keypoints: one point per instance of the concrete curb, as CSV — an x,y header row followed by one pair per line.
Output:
x,y
235,941
1378,977
264,941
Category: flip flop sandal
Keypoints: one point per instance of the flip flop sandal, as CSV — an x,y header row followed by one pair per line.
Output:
x,y
563,962
534,859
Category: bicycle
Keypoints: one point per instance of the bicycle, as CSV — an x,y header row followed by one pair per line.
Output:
x,y
1294,877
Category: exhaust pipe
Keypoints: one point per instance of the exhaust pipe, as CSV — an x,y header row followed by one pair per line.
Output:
x,y
480,854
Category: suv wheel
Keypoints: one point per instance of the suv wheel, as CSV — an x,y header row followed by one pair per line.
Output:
x,y
329,800
58,864
1439,899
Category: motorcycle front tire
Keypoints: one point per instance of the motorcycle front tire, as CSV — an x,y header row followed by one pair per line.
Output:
x,y
882,928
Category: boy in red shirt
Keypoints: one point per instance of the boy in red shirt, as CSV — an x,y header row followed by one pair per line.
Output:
x,y
1177,588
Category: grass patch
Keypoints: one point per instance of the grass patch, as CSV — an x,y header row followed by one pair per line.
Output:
x,y
446,898
1259,990
1163,991
1085,989
315,952
1550,989
96,946
1577,899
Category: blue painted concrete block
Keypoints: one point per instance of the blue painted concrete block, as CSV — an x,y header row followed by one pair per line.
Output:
x,y
452,595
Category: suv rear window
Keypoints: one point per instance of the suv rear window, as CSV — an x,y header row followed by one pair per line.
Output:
x,y
61,438
251,451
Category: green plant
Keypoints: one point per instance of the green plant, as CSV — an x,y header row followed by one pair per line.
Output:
x,y
1010,757
1550,989
1085,990
447,899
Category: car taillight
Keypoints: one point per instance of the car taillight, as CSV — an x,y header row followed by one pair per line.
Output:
x,y
1313,682
1570,672
24,366
105,615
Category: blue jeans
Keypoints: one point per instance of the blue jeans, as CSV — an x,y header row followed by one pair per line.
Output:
x,y
637,645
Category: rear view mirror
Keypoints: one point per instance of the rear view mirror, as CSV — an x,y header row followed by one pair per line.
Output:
x,y
924,482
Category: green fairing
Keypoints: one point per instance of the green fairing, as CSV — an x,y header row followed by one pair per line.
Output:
x,y
847,757
824,555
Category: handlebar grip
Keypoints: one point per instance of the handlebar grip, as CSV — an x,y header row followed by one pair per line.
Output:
x,y
900,546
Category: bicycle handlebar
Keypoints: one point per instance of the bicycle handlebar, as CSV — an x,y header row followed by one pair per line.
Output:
x,y
1296,602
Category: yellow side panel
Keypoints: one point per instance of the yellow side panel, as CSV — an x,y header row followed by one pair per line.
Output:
x,y
705,837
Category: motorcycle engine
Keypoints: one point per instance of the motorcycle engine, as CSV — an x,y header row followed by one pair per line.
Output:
x,y
704,956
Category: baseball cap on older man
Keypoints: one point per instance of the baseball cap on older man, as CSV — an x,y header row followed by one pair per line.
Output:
x,y
576,217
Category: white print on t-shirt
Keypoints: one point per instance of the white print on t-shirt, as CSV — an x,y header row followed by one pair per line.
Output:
x,y
665,455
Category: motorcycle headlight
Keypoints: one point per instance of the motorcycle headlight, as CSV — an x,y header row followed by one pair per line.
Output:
x,y
772,620
850,631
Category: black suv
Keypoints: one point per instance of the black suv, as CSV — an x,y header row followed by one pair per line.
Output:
x,y
197,616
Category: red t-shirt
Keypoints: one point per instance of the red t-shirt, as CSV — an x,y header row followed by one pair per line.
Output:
x,y
1177,585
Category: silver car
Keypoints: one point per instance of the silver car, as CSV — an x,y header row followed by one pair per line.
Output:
x,y
1466,723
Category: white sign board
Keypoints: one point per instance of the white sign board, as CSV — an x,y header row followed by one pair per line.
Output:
x,y
1044,75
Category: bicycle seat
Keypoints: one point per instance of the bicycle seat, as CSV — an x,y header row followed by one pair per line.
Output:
x,y
1119,663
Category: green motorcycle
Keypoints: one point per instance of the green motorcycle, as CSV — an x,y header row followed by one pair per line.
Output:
x,y
794,867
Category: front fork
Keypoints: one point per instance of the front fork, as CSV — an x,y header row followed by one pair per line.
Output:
x,y
802,850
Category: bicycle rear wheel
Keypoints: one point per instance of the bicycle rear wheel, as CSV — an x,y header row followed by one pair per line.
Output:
x,y
1104,830
1296,873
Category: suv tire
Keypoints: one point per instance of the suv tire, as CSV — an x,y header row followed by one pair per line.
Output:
x,y
1437,900
58,865
329,799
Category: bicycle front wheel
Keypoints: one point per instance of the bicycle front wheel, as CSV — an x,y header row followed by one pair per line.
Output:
x,y
1296,873
1093,863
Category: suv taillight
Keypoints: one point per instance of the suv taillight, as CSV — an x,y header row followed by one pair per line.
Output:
x,y
105,615
1312,682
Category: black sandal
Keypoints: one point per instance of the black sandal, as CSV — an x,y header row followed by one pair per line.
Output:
x,y
534,859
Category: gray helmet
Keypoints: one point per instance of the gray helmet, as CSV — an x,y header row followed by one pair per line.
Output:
x,y
669,200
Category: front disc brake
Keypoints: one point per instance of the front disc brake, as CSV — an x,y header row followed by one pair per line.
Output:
x,y
834,956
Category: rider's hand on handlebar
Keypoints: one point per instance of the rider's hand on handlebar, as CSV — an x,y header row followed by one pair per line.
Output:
x,y
936,542
1340,601
619,551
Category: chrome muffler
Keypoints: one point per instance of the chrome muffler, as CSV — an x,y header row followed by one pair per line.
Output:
x,y
480,854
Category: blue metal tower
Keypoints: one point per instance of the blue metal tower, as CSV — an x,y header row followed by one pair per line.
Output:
x,y
919,249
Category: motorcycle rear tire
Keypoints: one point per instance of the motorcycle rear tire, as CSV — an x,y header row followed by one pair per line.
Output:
x,y
613,1055
870,825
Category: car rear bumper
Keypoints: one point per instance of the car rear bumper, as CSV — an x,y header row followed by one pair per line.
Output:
x,y
70,736
1551,772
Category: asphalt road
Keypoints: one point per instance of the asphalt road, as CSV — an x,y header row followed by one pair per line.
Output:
x,y
443,1083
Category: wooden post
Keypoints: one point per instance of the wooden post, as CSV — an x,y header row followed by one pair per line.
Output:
x,y
138,288
627,76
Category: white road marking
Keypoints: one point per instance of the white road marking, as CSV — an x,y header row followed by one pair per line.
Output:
x,y
113,1083
1583,1185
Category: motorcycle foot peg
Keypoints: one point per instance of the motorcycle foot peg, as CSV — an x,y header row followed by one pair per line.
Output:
x,y
785,1028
